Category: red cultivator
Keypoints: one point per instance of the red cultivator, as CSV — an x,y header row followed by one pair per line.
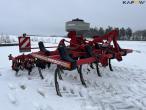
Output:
x,y
99,50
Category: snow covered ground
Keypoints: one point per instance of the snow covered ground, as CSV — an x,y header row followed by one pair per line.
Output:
x,y
122,89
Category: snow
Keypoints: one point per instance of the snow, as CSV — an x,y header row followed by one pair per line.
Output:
x,y
137,59
122,89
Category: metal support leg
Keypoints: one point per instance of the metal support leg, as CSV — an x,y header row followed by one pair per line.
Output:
x,y
91,65
40,73
16,74
59,74
56,82
29,72
79,69
97,68
110,66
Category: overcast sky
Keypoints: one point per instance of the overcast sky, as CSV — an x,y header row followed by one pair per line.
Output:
x,y
49,16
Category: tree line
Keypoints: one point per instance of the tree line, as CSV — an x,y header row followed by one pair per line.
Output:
x,y
124,33
139,35
6,39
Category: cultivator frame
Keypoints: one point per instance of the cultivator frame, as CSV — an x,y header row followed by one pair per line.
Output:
x,y
79,52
